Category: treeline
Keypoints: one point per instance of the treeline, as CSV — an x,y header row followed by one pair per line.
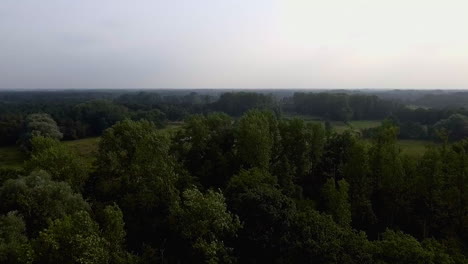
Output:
x,y
343,107
414,123
444,100
256,189
82,114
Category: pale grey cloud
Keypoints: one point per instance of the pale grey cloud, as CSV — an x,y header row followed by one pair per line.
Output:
x,y
233,43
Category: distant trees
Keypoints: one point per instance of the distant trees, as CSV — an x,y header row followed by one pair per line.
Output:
x,y
39,125
456,126
11,126
99,115
343,107
237,103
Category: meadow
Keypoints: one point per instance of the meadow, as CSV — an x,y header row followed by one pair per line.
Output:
x,y
13,157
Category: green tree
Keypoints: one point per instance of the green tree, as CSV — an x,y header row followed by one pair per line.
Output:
x,y
356,171
316,238
301,146
39,125
15,247
336,201
429,191
257,134
391,184
61,163
113,231
205,222
205,147
72,239
397,247
136,171
266,214
99,114
39,199
456,126
154,115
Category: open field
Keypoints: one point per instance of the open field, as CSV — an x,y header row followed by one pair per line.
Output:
x,y
363,124
413,148
85,148
13,157
303,117
338,126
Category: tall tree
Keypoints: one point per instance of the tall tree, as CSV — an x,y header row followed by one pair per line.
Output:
x,y
299,151
136,171
265,212
356,171
257,136
336,201
205,146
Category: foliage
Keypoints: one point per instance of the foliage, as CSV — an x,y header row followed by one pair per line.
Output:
x,y
205,147
396,247
316,238
265,212
205,222
335,195
61,164
135,170
39,125
256,138
72,239
39,199
456,125
14,244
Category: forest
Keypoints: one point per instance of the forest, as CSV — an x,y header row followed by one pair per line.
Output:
x,y
213,176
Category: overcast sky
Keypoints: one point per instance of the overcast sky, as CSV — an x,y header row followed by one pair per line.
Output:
x,y
234,44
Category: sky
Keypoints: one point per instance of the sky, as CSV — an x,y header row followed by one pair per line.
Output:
x,y
336,44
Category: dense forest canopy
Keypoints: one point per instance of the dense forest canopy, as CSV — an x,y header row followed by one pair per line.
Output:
x,y
245,178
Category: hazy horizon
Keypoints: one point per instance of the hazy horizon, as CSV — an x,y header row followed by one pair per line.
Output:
x,y
256,44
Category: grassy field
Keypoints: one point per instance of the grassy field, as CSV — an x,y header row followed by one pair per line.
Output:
x,y
85,148
413,148
307,118
338,126
13,157
363,124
